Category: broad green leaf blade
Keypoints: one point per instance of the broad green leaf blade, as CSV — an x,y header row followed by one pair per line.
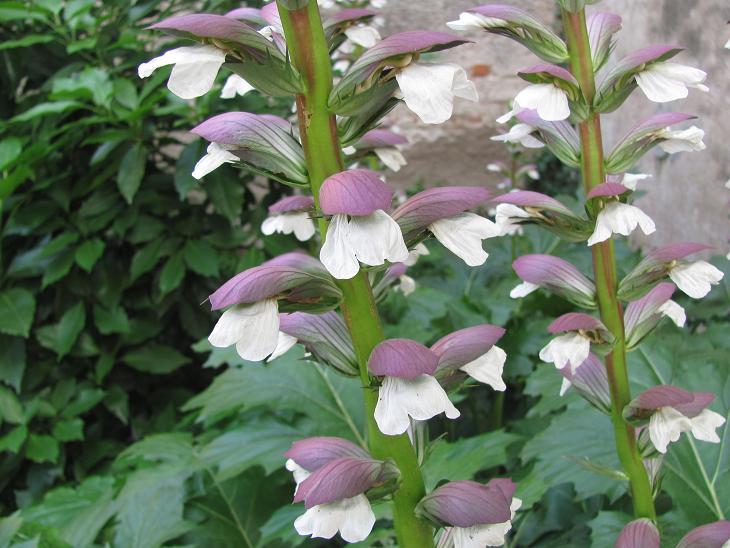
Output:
x,y
157,359
131,171
17,307
60,337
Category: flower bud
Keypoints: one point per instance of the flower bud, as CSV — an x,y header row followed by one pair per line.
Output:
x,y
642,316
601,30
247,15
558,276
712,535
640,533
560,137
385,145
313,453
590,381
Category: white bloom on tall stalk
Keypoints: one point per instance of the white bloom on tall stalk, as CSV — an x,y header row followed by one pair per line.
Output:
x,y
630,180
550,101
618,218
291,215
353,518
360,35
235,85
683,140
253,328
522,134
216,155
472,21
666,81
429,89
479,536
419,250
667,424
506,216
523,290
695,279
284,343
569,349
194,70
391,157
463,234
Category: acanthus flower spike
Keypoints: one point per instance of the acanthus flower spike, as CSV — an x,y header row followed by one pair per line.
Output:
x,y
474,515
443,212
292,214
473,351
551,90
640,533
251,297
360,230
516,24
617,217
556,275
572,347
712,535
643,315
590,381
408,389
672,411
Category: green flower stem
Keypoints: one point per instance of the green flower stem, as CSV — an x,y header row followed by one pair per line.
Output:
x,y
604,266
317,125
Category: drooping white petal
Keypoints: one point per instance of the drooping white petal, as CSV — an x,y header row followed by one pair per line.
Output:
x,y
618,218
571,348
470,21
523,290
666,81
550,101
299,473
353,518
463,234
488,368
684,140
284,343
377,238
494,168
216,155
235,85
565,386
479,536
417,251
505,215
253,328
298,222
363,35
533,174
194,72
705,424
420,398
406,285
665,426
429,89
630,179
520,133
674,312
391,157
695,279
337,255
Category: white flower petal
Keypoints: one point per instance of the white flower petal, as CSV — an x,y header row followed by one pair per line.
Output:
x,y
284,343
479,536
420,398
463,234
571,348
505,215
488,368
618,218
695,279
299,473
417,251
565,386
520,133
391,157
523,290
337,254
550,101
629,180
666,81
253,328
705,424
406,285
674,312
216,155
299,223
377,238
364,35
429,89
353,518
684,140
194,72
235,85
665,426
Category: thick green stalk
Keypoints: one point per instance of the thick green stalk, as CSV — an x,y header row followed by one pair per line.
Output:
x,y
604,267
318,129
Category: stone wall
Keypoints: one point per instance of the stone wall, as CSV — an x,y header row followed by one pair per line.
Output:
x,y
686,196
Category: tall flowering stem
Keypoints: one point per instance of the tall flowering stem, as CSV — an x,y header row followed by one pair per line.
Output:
x,y
308,48
604,266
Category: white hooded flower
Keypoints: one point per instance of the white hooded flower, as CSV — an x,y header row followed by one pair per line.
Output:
x,y
665,81
417,251
630,180
401,399
571,348
479,536
667,424
353,518
522,134
523,290
194,72
216,155
235,85
471,21
429,89
406,285
371,240
253,328
695,279
488,368
297,222
463,234
618,218
674,312
505,217
363,35
299,473
391,157
683,140
550,102
284,343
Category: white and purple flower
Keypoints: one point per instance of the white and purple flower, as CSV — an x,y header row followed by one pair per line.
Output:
x,y
292,214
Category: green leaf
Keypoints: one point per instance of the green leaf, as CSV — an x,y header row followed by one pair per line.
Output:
x,y
42,448
69,430
131,171
606,527
88,253
10,149
172,447
111,320
45,109
8,527
146,258
91,83
85,399
14,439
58,268
156,359
184,179
17,307
172,273
202,258
30,40
10,408
16,11
227,198
12,361
60,337
126,94
280,527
